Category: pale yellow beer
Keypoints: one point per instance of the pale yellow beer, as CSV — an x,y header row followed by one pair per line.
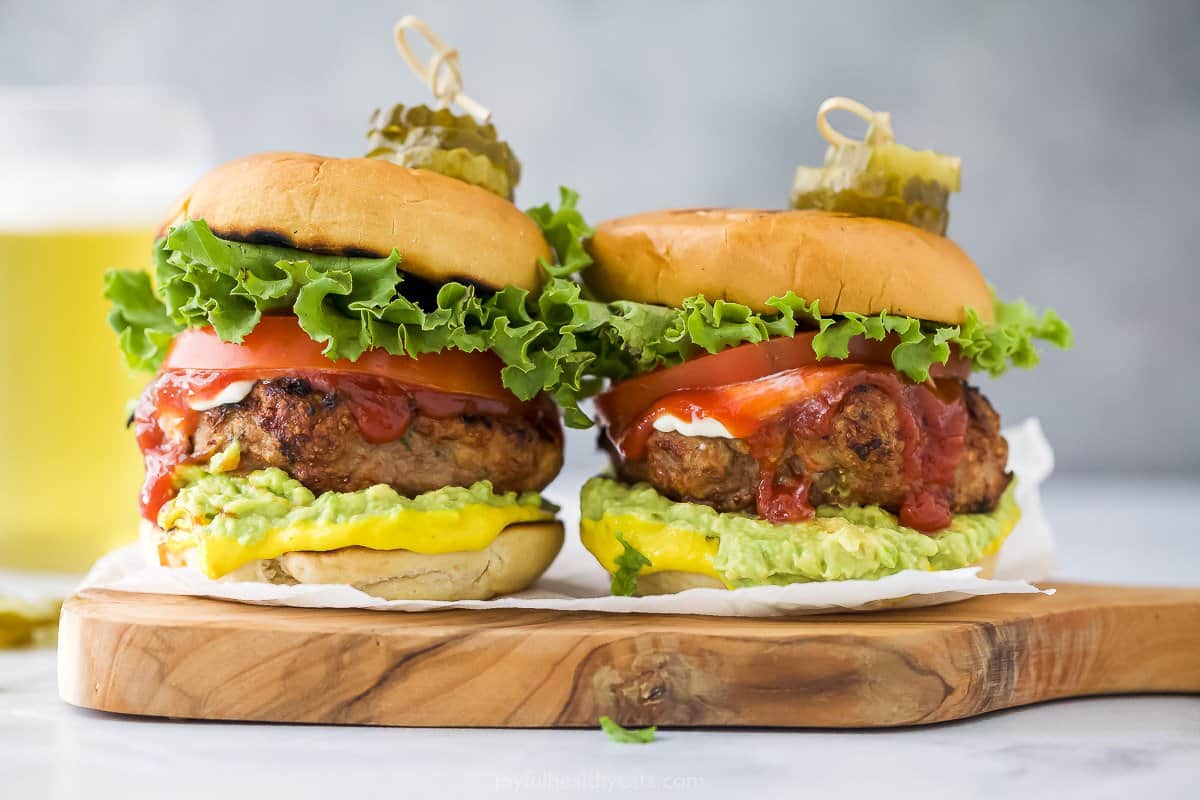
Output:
x,y
69,467
86,175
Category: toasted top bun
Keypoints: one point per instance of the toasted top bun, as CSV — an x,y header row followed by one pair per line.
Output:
x,y
444,228
848,263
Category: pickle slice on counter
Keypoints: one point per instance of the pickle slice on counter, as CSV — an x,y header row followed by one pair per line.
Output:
x,y
27,624
878,177
455,145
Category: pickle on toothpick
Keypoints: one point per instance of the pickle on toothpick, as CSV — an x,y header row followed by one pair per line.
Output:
x,y
877,177
439,140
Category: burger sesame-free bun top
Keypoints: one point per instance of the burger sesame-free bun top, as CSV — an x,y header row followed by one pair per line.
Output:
x,y
444,228
847,263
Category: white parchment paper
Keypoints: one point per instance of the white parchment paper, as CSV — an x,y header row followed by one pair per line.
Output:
x,y
575,582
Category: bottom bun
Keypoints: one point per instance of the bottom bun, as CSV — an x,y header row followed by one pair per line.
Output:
x,y
672,581
513,561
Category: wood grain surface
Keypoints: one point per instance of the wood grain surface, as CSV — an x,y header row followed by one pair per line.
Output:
x,y
208,659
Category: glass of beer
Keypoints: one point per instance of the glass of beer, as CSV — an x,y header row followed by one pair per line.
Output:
x,y
87,176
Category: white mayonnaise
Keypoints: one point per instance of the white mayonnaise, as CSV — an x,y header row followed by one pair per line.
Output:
x,y
233,393
702,426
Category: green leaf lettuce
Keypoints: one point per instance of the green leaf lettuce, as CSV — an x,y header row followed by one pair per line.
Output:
x,y
622,735
629,565
352,304
636,337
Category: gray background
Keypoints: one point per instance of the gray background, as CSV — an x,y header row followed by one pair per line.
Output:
x,y
1079,126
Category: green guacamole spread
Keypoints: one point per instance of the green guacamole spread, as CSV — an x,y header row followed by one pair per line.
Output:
x,y
839,544
246,507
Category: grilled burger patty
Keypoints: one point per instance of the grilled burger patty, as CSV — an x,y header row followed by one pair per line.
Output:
x,y
860,461
312,435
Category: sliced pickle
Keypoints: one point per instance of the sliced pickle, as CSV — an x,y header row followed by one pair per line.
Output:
x,y
439,140
880,178
23,623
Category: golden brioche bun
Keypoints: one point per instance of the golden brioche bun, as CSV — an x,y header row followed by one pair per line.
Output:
x,y
444,228
513,561
672,581
848,263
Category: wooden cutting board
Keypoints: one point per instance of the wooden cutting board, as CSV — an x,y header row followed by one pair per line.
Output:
x,y
209,659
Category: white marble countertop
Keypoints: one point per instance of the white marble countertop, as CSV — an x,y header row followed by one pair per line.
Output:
x,y
1108,530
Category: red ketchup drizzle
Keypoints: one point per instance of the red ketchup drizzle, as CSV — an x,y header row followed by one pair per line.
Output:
x,y
778,498
164,424
802,403
382,409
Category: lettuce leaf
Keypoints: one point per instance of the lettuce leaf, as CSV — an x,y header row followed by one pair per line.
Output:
x,y
622,735
566,230
636,337
144,328
629,565
354,304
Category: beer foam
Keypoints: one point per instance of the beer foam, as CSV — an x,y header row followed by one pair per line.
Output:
x,y
96,158
60,196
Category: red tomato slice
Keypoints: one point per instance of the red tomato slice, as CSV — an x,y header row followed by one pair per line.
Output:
x,y
279,345
627,400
